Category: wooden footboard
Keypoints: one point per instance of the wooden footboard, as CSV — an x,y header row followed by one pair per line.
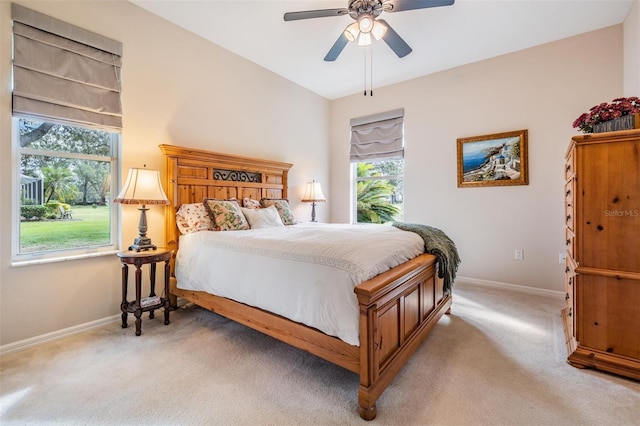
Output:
x,y
397,310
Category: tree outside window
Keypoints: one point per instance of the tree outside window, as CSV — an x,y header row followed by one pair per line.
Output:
x,y
66,177
379,191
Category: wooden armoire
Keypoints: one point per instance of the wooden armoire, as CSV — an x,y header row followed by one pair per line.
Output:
x,y
602,279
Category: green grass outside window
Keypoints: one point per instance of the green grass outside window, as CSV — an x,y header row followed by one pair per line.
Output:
x,y
88,228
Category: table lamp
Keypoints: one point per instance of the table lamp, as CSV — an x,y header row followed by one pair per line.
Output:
x,y
142,187
313,194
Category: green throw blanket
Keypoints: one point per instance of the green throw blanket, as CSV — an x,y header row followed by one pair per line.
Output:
x,y
440,245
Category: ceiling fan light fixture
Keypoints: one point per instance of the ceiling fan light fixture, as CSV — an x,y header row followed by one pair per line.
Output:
x,y
352,32
364,39
366,13
365,23
379,30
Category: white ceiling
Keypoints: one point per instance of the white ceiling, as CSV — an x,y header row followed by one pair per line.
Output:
x,y
441,38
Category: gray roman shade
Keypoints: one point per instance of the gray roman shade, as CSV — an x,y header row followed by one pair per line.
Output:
x,y
377,136
63,73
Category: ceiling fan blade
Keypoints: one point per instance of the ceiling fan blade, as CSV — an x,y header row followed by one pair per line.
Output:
x,y
308,14
401,5
337,48
395,42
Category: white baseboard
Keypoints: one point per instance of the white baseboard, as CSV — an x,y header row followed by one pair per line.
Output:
x,y
55,335
61,334
515,287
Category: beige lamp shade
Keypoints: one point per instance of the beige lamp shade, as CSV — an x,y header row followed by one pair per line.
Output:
x,y
313,193
142,187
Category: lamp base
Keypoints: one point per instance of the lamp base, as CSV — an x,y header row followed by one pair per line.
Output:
x,y
313,212
142,244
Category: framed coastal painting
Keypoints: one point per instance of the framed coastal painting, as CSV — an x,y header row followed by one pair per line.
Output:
x,y
493,160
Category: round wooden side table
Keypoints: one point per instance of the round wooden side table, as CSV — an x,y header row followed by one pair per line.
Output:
x,y
153,302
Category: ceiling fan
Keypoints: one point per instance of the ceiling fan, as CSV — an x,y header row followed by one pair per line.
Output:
x,y
368,25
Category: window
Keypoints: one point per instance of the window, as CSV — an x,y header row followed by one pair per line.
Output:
x,y
377,157
379,191
65,178
67,119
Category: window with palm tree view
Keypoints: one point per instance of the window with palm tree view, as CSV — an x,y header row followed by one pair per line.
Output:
x,y
66,177
379,191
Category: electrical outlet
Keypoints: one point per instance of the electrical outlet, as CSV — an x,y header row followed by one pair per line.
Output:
x,y
562,257
519,254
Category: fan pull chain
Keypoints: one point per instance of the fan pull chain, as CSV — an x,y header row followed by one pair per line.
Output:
x,y
371,70
369,50
364,69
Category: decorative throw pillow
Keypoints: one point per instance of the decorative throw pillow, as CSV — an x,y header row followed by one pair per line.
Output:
x,y
282,205
250,203
263,218
226,214
193,218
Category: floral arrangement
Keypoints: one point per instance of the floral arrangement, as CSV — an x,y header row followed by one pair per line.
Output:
x,y
606,112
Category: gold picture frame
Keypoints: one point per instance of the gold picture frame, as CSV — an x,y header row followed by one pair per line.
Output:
x,y
499,159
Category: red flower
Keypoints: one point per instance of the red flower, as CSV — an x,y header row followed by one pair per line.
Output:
x,y
607,111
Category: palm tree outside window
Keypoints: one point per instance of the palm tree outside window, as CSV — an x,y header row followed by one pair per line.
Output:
x,y
379,191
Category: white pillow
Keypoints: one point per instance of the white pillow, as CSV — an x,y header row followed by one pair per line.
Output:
x,y
262,218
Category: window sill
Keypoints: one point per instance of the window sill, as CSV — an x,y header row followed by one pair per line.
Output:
x,y
35,261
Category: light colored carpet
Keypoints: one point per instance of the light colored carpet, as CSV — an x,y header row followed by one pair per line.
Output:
x,y
498,359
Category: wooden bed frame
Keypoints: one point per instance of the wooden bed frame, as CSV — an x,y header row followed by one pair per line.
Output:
x,y
397,308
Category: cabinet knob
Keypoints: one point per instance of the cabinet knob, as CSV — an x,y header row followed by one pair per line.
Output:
x,y
566,297
568,193
568,167
570,312
568,217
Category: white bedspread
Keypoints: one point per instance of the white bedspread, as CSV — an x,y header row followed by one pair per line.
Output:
x,y
304,272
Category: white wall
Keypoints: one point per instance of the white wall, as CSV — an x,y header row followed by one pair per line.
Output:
x,y
542,89
177,89
631,45
202,96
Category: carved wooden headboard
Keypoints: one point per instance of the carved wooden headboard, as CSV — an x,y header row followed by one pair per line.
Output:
x,y
192,175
